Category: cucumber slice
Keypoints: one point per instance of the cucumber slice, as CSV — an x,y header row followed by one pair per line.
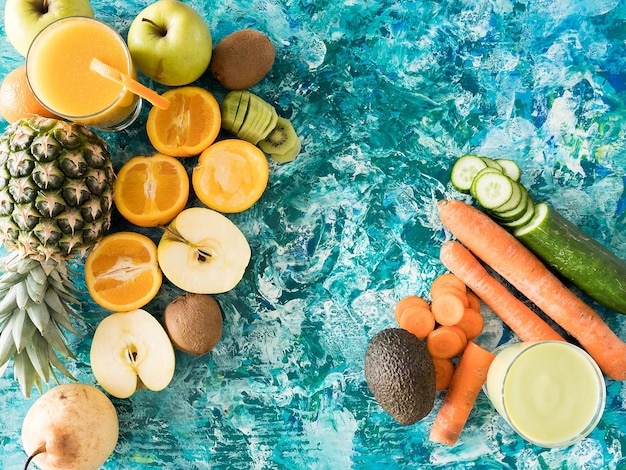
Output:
x,y
490,162
510,168
514,201
514,213
492,189
464,170
524,218
576,256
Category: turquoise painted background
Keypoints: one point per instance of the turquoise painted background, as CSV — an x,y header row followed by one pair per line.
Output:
x,y
385,95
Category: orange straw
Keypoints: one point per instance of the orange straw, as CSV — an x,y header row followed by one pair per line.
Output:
x,y
130,84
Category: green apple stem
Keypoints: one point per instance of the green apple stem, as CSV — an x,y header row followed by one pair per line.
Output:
x,y
162,31
44,7
39,450
202,255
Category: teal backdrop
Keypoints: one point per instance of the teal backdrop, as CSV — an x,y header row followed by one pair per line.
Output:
x,y
385,95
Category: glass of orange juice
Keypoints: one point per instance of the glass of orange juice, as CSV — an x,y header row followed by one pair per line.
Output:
x,y
552,393
59,74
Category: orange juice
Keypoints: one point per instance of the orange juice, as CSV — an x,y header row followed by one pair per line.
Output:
x,y
552,392
57,67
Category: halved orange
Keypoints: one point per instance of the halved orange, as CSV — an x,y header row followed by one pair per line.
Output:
x,y
122,272
150,191
230,175
190,124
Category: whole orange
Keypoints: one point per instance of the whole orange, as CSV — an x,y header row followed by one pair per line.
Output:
x,y
17,100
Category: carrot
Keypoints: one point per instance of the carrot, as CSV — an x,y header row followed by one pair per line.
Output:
x,y
406,302
446,342
520,267
468,378
444,281
525,323
448,306
444,369
473,300
472,323
418,320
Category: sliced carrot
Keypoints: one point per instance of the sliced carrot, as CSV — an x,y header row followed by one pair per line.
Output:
x,y
418,320
472,323
507,256
406,302
468,378
444,281
446,342
444,369
525,323
448,306
473,300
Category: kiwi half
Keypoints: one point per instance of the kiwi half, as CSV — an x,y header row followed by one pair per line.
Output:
x,y
282,143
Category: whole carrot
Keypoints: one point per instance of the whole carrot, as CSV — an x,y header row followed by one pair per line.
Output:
x,y
467,380
525,323
519,266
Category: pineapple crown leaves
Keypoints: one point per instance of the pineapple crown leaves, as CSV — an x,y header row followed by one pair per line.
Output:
x,y
34,311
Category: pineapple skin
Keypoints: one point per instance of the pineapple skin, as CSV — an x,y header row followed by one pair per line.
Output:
x,y
56,199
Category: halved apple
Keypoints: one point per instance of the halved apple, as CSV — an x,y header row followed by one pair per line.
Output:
x,y
203,252
130,351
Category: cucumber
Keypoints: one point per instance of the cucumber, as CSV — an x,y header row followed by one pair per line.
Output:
x,y
490,162
576,256
514,201
464,170
492,188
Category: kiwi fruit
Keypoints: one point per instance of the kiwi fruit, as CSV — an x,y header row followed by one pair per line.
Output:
x,y
247,116
282,143
242,59
194,323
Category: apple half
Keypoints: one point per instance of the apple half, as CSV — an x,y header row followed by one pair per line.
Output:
x,y
131,351
203,252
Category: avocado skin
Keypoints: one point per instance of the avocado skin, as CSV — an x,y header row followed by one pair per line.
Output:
x,y
400,373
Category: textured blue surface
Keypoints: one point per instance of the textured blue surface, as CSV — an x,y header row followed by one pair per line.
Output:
x,y
385,95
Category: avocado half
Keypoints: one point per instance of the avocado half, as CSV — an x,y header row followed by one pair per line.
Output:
x,y
400,373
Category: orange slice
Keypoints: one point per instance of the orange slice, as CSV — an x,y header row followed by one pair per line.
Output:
x,y
122,271
230,175
189,125
150,191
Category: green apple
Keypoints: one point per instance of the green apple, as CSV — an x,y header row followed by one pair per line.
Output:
x,y
170,43
130,351
23,19
203,252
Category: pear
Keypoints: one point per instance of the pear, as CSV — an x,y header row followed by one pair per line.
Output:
x,y
71,426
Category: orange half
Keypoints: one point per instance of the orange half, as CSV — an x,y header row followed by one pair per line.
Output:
x,y
151,191
189,125
122,271
231,175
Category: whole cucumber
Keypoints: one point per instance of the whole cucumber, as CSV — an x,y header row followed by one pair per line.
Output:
x,y
576,256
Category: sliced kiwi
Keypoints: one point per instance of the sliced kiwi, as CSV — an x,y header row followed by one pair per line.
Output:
x,y
242,111
271,124
257,120
228,109
282,143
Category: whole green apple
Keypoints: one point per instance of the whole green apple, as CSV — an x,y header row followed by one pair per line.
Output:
x,y
170,43
23,19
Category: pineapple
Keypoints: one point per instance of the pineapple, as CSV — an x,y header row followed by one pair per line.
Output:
x,y
56,196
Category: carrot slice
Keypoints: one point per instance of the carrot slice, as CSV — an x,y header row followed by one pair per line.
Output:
x,y
520,267
473,300
418,320
446,342
472,323
448,306
407,302
468,378
444,281
444,370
